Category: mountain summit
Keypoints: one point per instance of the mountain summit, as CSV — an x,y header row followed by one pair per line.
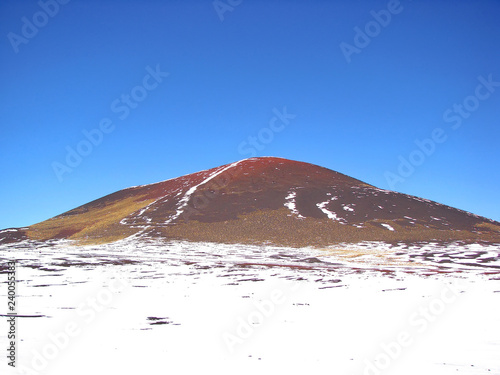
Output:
x,y
262,200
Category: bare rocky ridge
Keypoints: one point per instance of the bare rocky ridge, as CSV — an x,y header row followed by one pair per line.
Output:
x,y
263,200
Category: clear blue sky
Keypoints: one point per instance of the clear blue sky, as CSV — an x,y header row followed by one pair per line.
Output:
x,y
92,63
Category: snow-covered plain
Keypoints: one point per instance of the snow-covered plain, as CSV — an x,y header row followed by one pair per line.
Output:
x,y
153,307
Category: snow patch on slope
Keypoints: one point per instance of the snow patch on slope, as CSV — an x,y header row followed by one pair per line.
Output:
x,y
387,226
291,204
8,230
330,214
348,207
185,199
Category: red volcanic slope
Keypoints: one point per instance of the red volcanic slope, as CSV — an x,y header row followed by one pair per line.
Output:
x,y
225,192
264,199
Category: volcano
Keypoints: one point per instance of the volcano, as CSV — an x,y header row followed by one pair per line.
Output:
x,y
266,200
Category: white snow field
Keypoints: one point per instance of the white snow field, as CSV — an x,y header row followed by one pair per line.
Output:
x,y
149,307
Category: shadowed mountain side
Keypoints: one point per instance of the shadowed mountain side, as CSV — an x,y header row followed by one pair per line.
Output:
x,y
263,200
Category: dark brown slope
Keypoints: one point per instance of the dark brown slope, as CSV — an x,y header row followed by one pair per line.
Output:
x,y
263,200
